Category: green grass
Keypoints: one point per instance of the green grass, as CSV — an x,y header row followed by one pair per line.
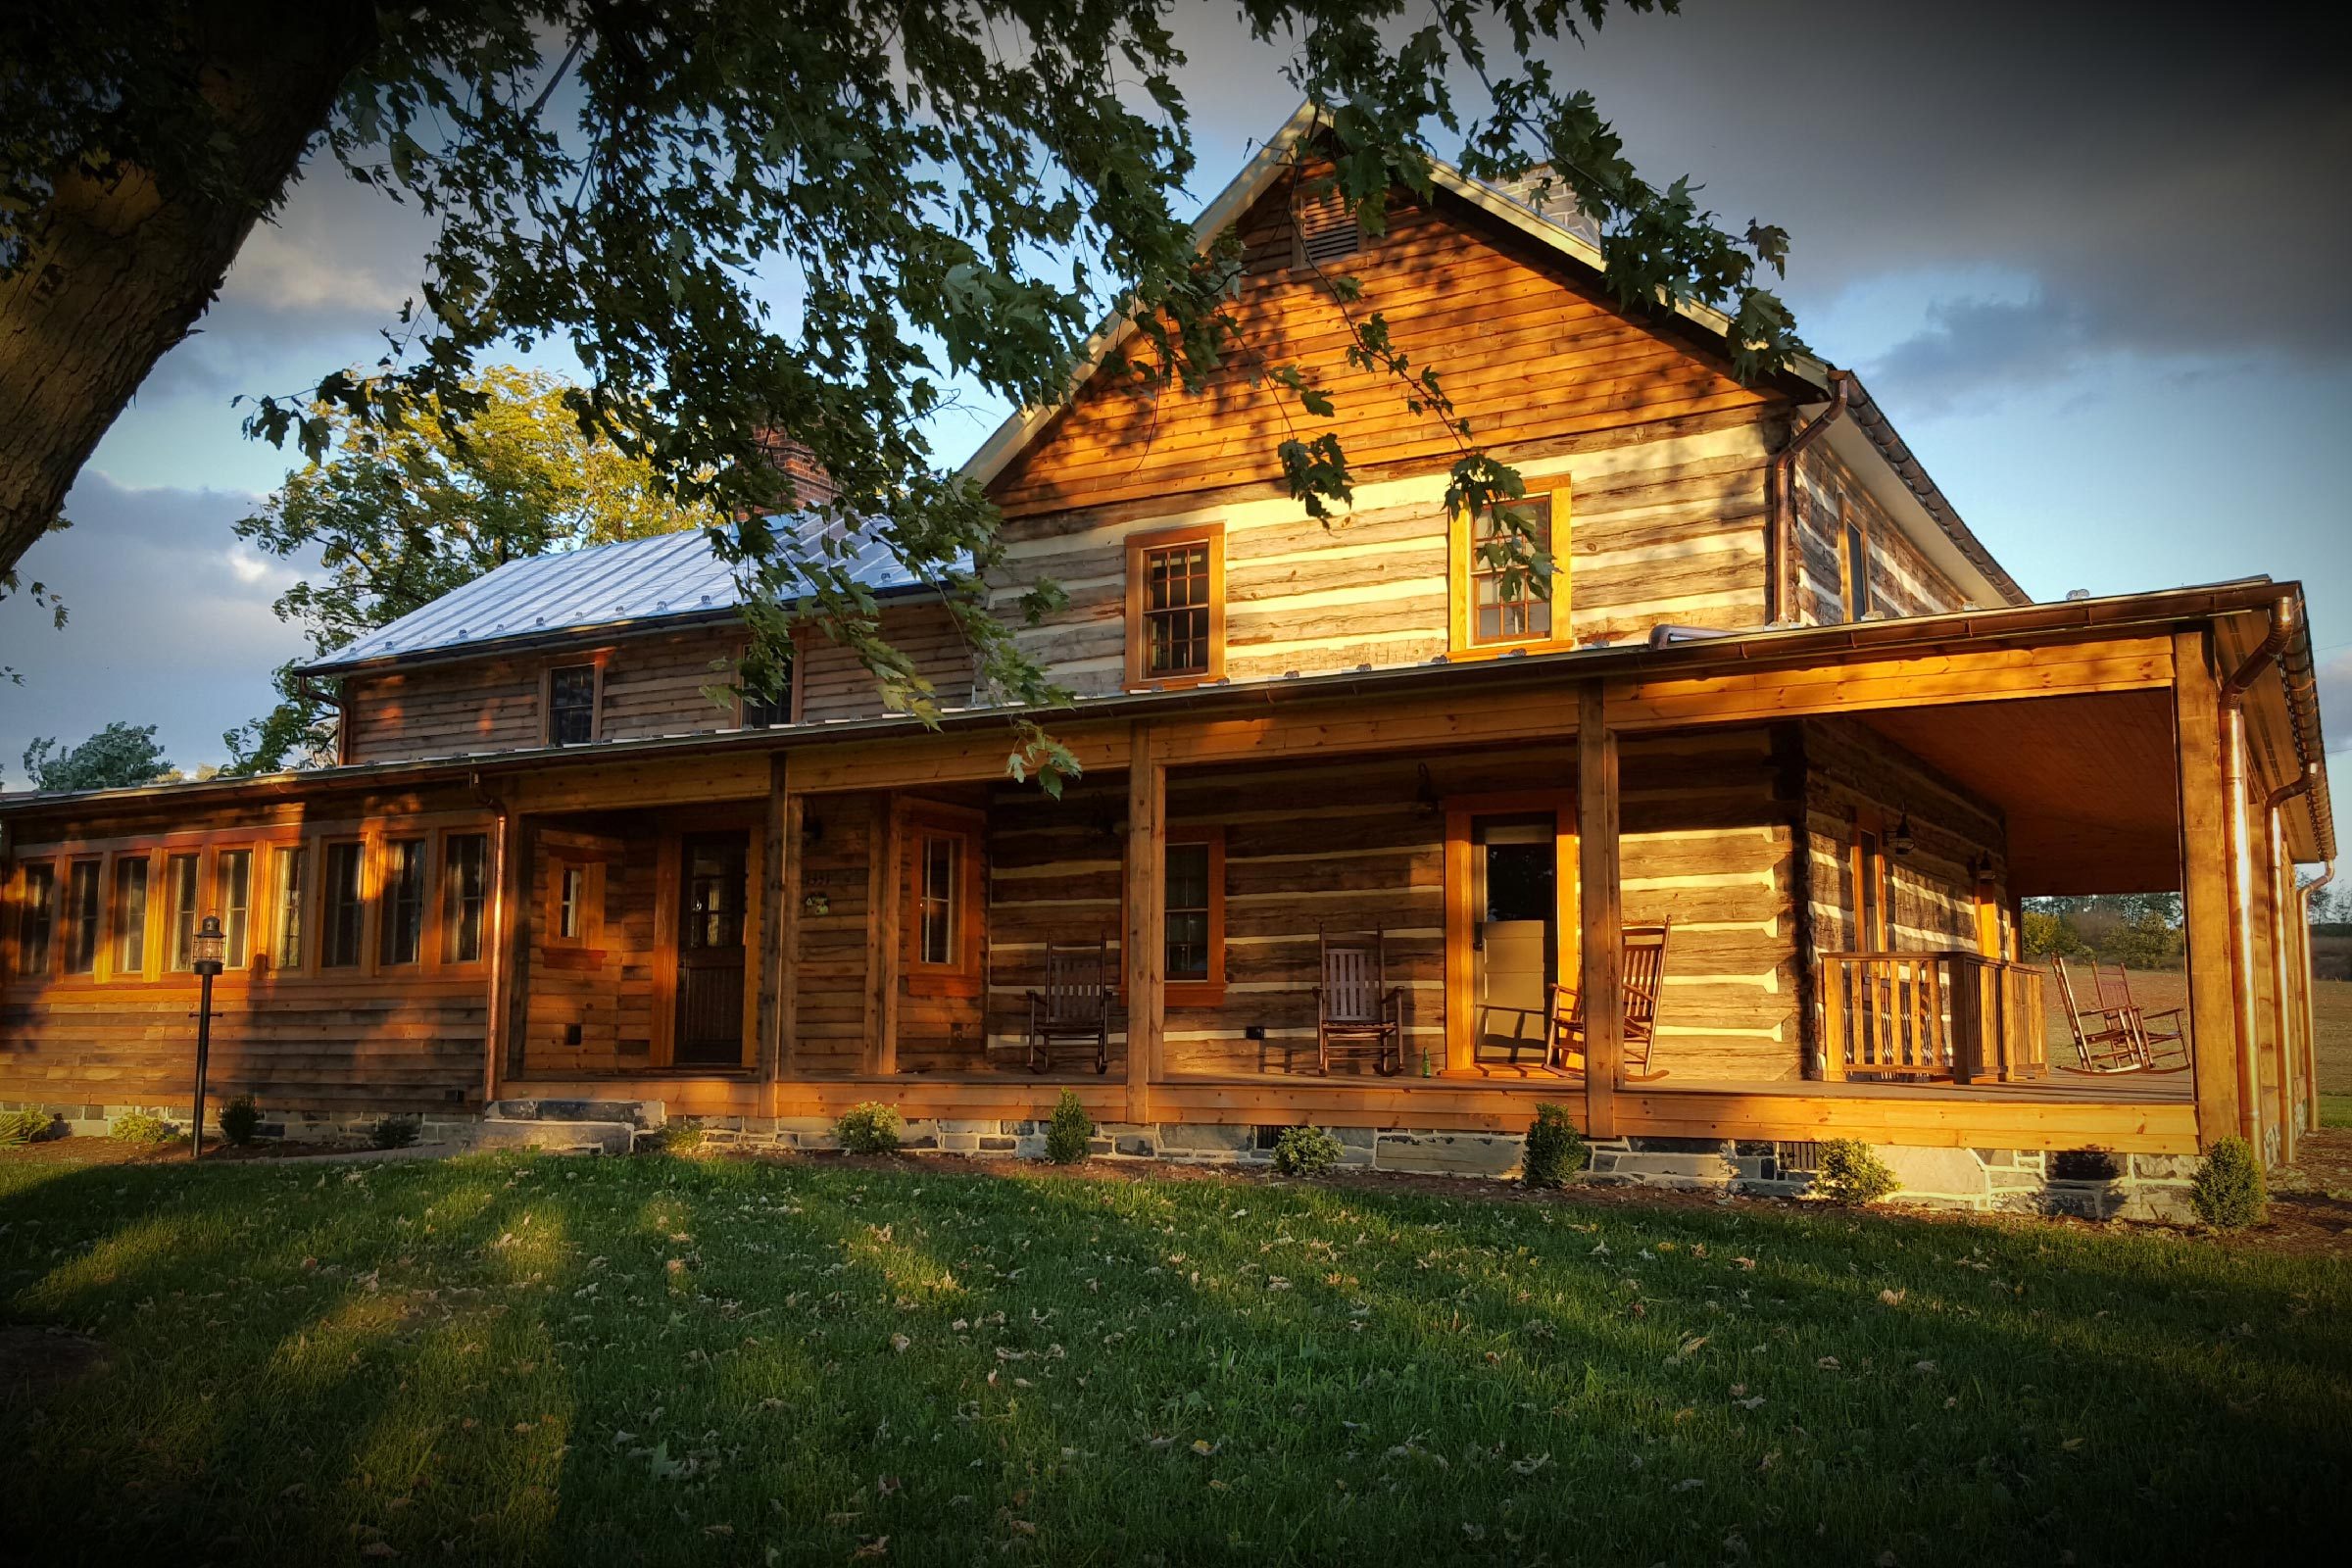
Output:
x,y
2335,1110
571,1361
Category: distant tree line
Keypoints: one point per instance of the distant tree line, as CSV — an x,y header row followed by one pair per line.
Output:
x,y
2138,930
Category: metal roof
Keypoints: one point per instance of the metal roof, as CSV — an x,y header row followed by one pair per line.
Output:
x,y
666,577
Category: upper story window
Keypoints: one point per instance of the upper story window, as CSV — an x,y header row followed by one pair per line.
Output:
x,y
1509,589
571,691
1854,565
761,711
1176,607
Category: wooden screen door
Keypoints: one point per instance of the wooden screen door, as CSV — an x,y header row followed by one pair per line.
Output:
x,y
1514,895
711,890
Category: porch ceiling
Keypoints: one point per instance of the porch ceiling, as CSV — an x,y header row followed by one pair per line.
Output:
x,y
2089,784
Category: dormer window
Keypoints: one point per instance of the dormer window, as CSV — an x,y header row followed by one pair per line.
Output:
x,y
1176,607
571,705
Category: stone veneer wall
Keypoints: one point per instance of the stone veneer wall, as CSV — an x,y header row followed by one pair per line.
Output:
x,y
2153,1187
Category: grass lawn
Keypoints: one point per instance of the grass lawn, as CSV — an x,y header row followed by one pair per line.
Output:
x,y
580,1361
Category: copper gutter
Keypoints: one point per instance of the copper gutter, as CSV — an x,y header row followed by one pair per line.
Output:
x,y
2282,942
2238,851
1780,528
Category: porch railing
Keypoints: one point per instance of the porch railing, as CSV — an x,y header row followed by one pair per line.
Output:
x,y
1922,1016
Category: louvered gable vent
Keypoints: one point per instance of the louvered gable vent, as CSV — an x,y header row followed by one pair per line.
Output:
x,y
1327,232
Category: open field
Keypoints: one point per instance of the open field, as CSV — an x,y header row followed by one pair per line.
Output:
x,y
2331,1025
666,1360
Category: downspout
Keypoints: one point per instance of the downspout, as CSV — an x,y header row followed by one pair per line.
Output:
x,y
1780,529
2282,942
2240,853
2311,1031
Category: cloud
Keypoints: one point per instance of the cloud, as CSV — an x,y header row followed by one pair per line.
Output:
x,y
169,623
2335,703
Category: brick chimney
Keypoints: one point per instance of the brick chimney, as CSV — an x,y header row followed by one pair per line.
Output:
x,y
1558,203
809,480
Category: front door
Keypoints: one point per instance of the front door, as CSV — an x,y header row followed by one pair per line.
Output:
x,y
711,891
1514,952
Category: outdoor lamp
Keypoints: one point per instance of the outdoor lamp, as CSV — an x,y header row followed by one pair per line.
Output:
x,y
212,946
1903,843
211,949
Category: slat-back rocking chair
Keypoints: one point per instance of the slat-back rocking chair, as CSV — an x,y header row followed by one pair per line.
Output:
x,y
1641,972
1355,1004
1075,1003
2107,1039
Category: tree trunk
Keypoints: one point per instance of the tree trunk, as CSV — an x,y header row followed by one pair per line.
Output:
x,y
117,272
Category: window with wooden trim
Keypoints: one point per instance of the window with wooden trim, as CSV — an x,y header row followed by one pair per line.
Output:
x,y
131,916
36,915
464,896
344,904
1510,585
81,917
759,711
1193,901
232,901
288,893
179,911
1854,564
571,700
1176,607
400,922
943,889
575,902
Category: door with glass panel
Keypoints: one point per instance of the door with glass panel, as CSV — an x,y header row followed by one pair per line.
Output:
x,y
712,894
1514,952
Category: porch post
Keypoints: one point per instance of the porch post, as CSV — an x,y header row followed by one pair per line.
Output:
x,y
882,941
494,1000
2205,889
510,1012
1144,946
1598,895
779,898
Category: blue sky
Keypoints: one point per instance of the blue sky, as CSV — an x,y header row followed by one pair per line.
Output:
x,y
2089,264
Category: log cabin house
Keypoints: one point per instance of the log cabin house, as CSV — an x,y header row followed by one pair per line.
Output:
x,y
1778,699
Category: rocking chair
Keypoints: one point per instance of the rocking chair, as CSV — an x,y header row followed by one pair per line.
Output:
x,y
1642,973
2163,1036
1075,1003
1355,1004
2107,1039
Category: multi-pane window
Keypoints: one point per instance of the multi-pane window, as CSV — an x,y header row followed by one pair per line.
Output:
x,y
339,939
1176,611
401,921
232,901
1509,584
465,896
131,916
761,711
81,917
937,899
1853,571
571,903
571,705
1188,910
293,887
37,917
180,910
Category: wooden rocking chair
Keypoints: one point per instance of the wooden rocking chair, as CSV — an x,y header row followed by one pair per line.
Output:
x,y
1355,1004
2163,1036
1642,973
1075,1003
2107,1040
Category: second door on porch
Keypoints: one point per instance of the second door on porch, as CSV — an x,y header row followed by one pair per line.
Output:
x,y
712,888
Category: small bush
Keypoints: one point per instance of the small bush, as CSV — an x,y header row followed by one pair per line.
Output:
x,y
685,1138
2084,1165
241,1121
1306,1152
1555,1149
2229,1192
1851,1172
869,1129
394,1132
143,1131
1068,1130
22,1127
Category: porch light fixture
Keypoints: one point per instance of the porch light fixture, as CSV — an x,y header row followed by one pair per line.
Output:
x,y
1984,872
1425,792
1903,844
210,950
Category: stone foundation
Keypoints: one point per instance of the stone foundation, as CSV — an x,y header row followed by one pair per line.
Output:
x,y
80,1120
2149,1187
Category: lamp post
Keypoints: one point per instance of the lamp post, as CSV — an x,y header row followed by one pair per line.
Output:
x,y
211,947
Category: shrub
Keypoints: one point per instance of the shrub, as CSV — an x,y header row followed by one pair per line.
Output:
x,y
394,1132
241,1121
1555,1149
1306,1152
1851,1172
1068,1130
685,1138
869,1129
2228,1192
143,1131
2084,1165
23,1126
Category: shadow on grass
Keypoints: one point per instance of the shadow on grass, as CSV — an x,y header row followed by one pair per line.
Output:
x,y
661,1360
